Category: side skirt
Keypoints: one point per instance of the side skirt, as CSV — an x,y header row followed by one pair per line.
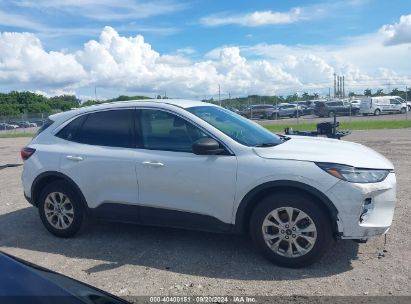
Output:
x,y
133,214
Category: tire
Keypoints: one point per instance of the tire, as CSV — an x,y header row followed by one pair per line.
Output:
x,y
315,216
331,114
72,214
409,108
377,112
274,117
403,110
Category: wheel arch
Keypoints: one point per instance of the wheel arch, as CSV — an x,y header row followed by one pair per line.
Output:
x,y
254,196
50,176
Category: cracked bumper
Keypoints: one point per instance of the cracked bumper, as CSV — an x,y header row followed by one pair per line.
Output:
x,y
364,210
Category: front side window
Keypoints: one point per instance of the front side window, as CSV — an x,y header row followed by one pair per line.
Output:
x,y
106,128
162,130
238,128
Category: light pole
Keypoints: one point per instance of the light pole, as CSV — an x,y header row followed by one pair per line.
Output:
x,y
406,103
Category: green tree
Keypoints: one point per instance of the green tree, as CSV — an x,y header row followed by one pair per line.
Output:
x,y
380,92
367,92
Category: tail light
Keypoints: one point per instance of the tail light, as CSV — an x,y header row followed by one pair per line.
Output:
x,y
26,152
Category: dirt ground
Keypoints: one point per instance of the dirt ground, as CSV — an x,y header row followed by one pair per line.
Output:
x,y
133,260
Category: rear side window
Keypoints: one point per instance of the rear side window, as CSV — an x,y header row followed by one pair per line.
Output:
x,y
47,123
106,128
69,132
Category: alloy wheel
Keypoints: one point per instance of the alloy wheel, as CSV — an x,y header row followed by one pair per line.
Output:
x,y
289,232
59,210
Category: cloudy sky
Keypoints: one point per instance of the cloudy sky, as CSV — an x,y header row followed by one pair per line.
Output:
x,y
189,48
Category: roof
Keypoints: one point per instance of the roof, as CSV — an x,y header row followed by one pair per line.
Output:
x,y
182,103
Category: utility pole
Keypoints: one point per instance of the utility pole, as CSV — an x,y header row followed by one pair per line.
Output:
x,y
406,101
343,83
219,95
95,93
334,84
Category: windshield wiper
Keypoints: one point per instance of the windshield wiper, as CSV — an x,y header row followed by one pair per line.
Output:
x,y
283,137
265,145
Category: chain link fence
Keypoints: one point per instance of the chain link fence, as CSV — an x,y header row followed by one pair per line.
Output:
x,y
24,123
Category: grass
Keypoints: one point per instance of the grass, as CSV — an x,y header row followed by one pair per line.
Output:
x,y
16,134
354,125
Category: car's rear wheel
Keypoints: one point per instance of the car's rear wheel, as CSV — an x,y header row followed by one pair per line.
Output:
x,y
291,230
377,112
61,209
331,114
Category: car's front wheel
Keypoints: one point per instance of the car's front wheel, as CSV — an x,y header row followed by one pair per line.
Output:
x,y
61,209
291,230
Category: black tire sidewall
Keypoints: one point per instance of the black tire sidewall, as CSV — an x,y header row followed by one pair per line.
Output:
x,y
311,208
78,207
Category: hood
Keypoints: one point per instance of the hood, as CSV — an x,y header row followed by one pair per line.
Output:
x,y
326,150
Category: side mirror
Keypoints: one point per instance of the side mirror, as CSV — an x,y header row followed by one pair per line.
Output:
x,y
206,146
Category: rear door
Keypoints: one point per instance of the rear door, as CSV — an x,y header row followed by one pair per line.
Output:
x,y
98,155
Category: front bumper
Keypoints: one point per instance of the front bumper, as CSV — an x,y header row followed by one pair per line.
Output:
x,y
364,210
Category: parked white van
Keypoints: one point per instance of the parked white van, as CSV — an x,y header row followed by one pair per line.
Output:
x,y
382,104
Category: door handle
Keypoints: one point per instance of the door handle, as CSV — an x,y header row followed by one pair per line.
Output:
x,y
74,157
152,164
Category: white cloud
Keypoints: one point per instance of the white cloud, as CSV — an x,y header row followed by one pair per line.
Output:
x,y
104,10
130,64
257,18
398,33
23,60
16,20
269,17
186,50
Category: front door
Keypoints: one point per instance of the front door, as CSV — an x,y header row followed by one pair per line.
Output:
x,y
177,187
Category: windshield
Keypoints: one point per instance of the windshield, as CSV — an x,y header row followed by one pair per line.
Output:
x,y
237,127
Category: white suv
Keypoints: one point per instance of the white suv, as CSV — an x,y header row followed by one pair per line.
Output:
x,y
195,165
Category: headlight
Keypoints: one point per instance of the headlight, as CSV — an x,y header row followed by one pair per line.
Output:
x,y
354,175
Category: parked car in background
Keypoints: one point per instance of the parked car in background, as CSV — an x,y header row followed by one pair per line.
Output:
x,y
6,126
27,124
304,110
334,107
382,105
203,167
310,105
235,110
406,103
257,111
355,103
